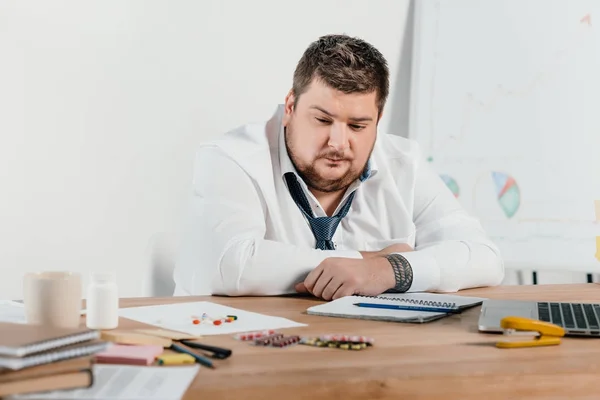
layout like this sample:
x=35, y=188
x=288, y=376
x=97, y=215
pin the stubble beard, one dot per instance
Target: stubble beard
x=311, y=177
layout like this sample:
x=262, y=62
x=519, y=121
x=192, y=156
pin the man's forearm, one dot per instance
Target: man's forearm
x=265, y=267
x=454, y=265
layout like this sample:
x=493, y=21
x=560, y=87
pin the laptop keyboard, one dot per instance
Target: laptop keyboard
x=571, y=315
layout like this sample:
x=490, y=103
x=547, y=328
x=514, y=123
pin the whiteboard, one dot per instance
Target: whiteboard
x=505, y=102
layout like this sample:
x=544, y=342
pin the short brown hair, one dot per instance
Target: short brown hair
x=344, y=63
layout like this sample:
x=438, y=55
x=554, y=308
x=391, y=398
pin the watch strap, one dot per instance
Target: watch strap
x=402, y=272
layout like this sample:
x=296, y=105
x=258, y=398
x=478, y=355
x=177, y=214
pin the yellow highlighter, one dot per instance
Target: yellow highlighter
x=175, y=359
x=548, y=334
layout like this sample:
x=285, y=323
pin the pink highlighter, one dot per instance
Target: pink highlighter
x=129, y=354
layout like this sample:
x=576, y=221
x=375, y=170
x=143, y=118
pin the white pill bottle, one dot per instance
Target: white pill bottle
x=102, y=303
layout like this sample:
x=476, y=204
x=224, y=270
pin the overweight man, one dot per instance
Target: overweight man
x=318, y=200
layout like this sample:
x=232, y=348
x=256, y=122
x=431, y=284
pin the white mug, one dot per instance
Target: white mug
x=53, y=298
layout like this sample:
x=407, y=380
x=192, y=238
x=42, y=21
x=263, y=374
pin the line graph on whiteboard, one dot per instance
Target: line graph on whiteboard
x=505, y=110
x=472, y=103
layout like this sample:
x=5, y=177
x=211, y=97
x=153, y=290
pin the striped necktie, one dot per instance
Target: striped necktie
x=323, y=228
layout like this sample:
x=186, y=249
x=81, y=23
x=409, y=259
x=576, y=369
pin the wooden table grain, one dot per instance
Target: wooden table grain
x=445, y=359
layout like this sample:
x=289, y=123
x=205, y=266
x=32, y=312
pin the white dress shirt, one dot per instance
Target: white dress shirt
x=247, y=236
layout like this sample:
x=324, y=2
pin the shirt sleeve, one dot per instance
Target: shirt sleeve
x=224, y=250
x=452, y=250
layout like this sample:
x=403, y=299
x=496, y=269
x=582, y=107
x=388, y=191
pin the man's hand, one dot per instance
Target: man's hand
x=394, y=248
x=338, y=277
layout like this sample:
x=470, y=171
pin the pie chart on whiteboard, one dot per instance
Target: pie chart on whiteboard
x=497, y=195
x=452, y=184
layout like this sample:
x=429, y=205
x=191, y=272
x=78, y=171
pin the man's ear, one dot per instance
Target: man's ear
x=290, y=102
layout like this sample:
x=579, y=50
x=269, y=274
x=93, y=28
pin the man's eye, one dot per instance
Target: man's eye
x=323, y=121
x=357, y=127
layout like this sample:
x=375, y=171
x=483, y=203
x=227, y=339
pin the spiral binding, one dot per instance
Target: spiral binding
x=55, y=343
x=58, y=355
x=419, y=302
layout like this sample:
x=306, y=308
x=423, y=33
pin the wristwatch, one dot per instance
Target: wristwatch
x=402, y=272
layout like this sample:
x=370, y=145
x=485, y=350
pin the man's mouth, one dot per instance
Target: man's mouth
x=335, y=157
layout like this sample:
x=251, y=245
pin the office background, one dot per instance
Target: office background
x=102, y=104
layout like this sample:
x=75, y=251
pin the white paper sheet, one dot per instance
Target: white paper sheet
x=129, y=382
x=180, y=317
x=12, y=311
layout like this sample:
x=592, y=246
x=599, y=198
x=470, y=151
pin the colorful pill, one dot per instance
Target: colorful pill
x=267, y=340
x=196, y=321
x=217, y=322
x=347, y=338
x=283, y=341
x=254, y=335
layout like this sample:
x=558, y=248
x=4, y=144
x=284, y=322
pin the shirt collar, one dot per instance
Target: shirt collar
x=286, y=165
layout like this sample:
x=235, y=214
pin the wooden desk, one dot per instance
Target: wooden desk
x=445, y=359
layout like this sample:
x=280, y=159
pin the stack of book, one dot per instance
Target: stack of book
x=38, y=358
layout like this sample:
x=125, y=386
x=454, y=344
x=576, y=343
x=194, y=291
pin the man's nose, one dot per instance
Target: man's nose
x=338, y=137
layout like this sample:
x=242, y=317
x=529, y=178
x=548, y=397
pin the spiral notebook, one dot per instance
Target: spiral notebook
x=23, y=345
x=47, y=357
x=345, y=308
x=19, y=340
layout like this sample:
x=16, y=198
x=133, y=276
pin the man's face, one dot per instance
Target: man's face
x=330, y=135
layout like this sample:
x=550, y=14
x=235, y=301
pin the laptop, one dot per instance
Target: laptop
x=577, y=319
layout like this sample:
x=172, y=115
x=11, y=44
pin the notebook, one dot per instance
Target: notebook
x=66, y=374
x=54, y=355
x=59, y=367
x=344, y=307
x=76, y=379
x=20, y=340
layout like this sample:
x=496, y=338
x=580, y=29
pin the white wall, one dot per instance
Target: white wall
x=102, y=104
